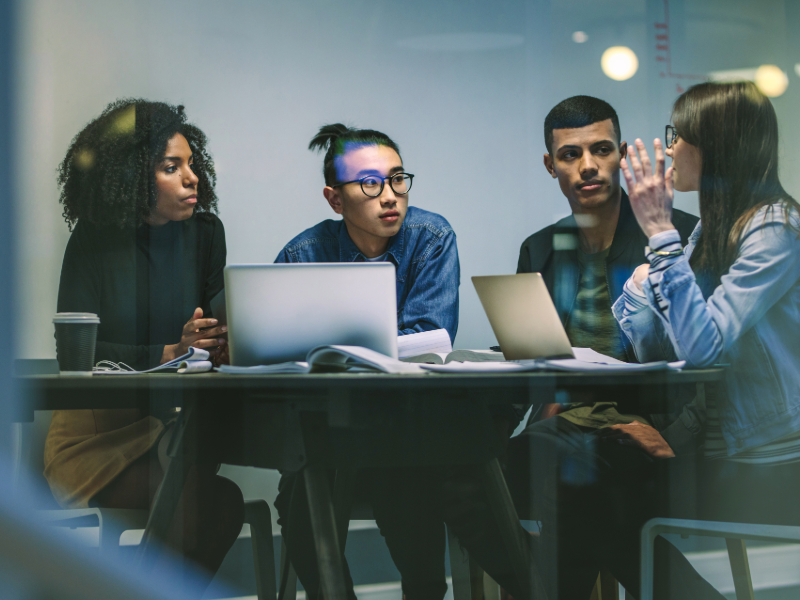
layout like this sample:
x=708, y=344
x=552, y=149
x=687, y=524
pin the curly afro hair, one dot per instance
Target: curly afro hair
x=107, y=177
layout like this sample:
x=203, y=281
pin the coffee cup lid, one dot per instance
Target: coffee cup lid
x=76, y=317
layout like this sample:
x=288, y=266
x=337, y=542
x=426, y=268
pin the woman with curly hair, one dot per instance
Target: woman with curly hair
x=146, y=254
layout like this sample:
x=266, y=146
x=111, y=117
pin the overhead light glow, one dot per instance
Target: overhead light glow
x=797, y=69
x=579, y=37
x=771, y=80
x=619, y=63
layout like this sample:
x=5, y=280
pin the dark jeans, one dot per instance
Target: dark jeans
x=410, y=507
x=592, y=498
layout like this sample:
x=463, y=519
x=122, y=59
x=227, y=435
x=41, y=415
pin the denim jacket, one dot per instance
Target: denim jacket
x=425, y=257
x=751, y=322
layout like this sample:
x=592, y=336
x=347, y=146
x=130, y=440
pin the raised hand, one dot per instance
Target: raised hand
x=650, y=191
x=199, y=333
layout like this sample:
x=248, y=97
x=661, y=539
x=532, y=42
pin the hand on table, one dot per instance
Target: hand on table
x=223, y=357
x=650, y=192
x=638, y=434
x=194, y=335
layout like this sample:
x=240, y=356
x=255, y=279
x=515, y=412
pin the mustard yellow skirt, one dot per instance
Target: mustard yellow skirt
x=86, y=449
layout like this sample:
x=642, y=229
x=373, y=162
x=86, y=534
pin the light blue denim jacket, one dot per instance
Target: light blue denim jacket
x=424, y=254
x=751, y=322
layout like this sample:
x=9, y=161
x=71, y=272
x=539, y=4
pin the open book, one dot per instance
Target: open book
x=443, y=358
x=333, y=359
x=434, y=347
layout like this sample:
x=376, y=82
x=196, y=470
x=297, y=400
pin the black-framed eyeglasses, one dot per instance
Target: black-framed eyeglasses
x=670, y=135
x=372, y=185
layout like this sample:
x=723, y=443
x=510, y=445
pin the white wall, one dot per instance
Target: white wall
x=462, y=86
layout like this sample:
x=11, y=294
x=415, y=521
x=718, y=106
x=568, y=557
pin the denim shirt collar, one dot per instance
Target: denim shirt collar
x=349, y=252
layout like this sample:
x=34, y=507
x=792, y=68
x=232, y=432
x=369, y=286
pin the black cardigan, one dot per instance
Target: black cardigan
x=143, y=283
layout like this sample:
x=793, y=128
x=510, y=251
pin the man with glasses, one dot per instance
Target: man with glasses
x=562, y=470
x=366, y=183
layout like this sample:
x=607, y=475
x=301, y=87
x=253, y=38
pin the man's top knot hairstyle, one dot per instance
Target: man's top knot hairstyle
x=108, y=175
x=336, y=139
x=575, y=112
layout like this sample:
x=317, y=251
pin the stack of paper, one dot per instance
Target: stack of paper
x=196, y=360
x=586, y=360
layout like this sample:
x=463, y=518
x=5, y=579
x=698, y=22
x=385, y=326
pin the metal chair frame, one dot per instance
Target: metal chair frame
x=735, y=535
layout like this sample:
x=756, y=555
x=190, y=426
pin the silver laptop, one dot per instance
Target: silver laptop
x=277, y=313
x=522, y=316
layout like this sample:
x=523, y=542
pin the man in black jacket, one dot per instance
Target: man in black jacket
x=591, y=474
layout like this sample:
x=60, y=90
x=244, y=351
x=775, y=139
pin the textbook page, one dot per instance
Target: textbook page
x=440, y=358
x=344, y=357
x=414, y=344
x=331, y=359
x=278, y=368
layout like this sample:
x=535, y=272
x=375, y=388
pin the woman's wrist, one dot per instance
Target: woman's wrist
x=169, y=353
x=667, y=239
x=657, y=228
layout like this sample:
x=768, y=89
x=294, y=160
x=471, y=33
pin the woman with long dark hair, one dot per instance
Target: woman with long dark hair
x=731, y=296
x=146, y=255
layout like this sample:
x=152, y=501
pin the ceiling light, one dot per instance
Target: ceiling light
x=771, y=80
x=579, y=37
x=619, y=63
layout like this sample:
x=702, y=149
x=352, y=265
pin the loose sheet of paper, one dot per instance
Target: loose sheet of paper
x=414, y=344
x=590, y=356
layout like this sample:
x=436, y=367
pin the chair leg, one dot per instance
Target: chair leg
x=740, y=567
x=110, y=532
x=491, y=589
x=608, y=585
x=459, y=569
x=288, y=587
x=476, y=582
x=597, y=590
x=258, y=515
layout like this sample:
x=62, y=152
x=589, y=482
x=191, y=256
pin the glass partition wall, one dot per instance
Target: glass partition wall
x=464, y=90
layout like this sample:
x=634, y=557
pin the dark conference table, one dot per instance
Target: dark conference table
x=347, y=421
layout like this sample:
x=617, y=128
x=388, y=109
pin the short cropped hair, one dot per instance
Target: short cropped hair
x=575, y=112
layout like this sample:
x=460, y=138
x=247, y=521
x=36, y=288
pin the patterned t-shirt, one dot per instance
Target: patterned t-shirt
x=591, y=324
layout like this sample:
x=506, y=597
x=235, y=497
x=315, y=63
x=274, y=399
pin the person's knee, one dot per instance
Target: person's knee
x=217, y=504
x=229, y=505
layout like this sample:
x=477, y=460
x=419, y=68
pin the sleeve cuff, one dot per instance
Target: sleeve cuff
x=635, y=299
x=680, y=438
x=665, y=237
